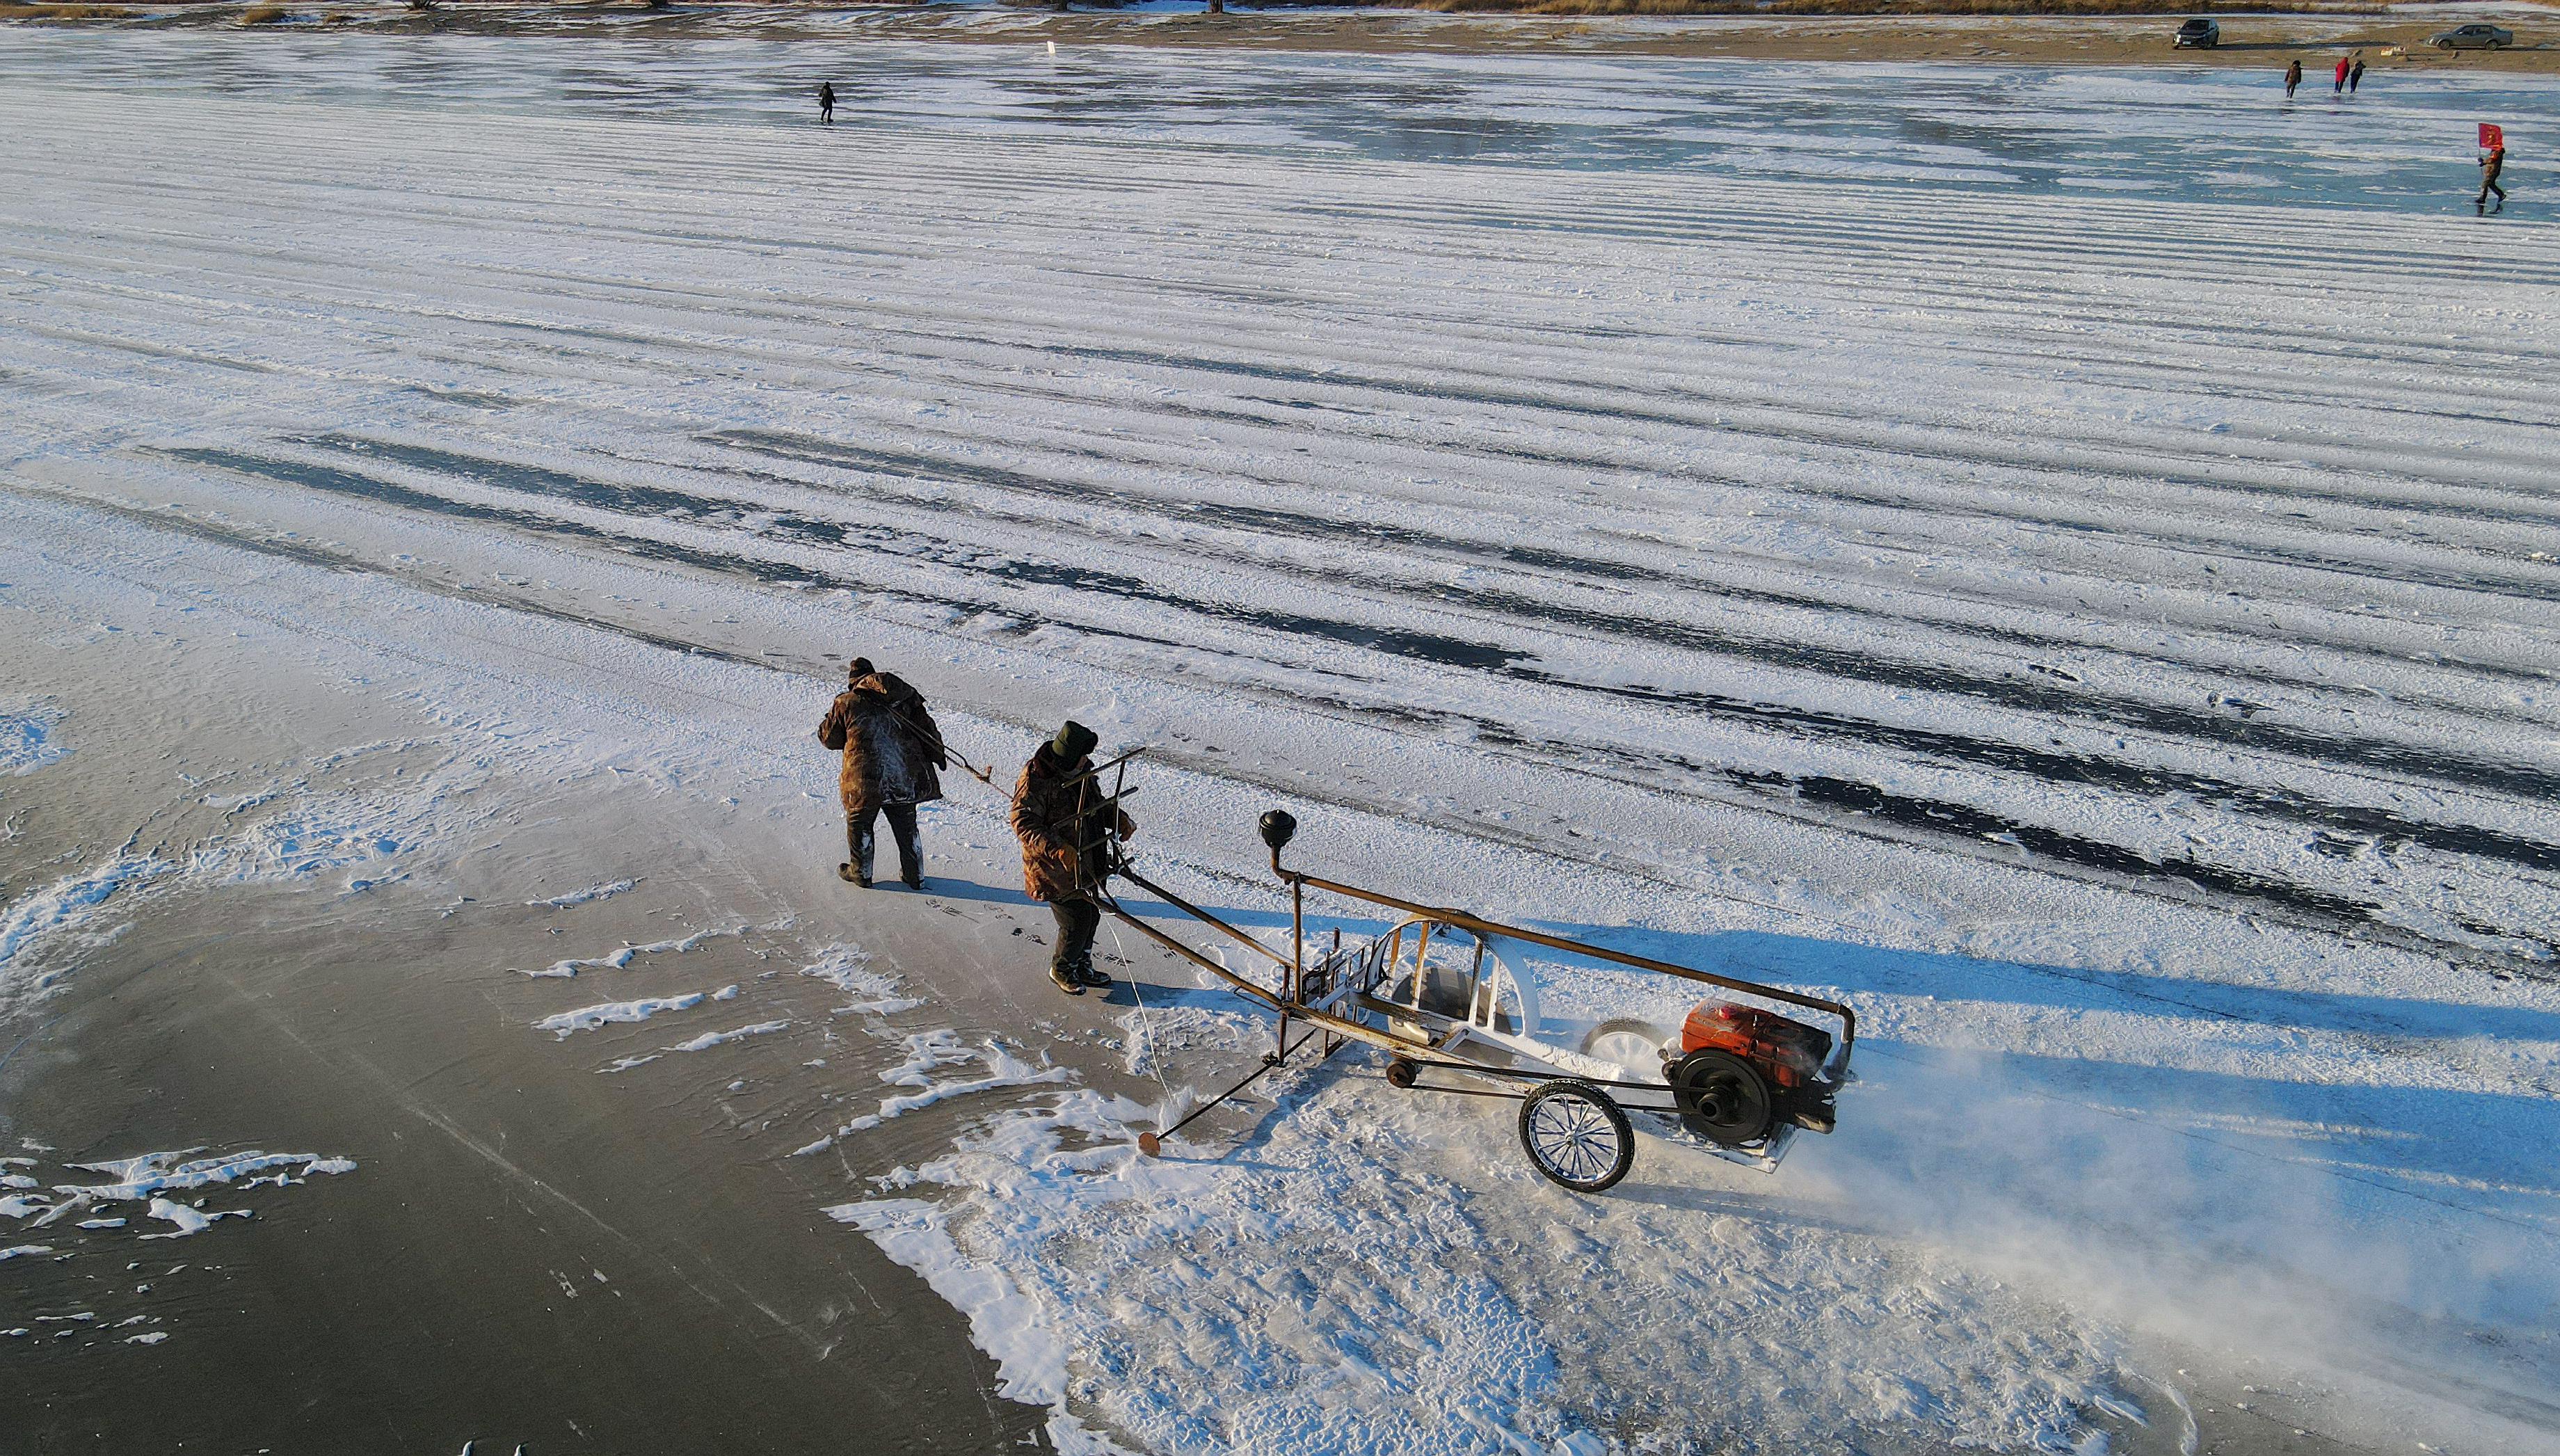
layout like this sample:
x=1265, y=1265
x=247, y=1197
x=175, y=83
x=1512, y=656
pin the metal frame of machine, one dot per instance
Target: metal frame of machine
x=1438, y=992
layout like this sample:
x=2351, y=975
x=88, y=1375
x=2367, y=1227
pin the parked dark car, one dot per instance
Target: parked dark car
x=2473, y=38
x=2197, y=32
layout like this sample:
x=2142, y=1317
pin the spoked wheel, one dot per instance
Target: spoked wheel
x=1576, y=1136
x=1721, y=1097
x=1634, y=1044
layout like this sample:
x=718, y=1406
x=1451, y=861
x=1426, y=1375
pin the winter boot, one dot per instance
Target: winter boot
x=847, y=871
x=1086, y=972
x=1066, y=978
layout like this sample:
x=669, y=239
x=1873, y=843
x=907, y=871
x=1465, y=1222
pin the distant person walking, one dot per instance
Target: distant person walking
x=891, y=750
x=2293, y=77
x=826, y=103
x=2492, y=162
x=2338, y=87
x=2355, y=74
x=1060, y=816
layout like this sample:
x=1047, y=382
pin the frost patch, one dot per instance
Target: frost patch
x=931, y=1050
x=591, y=893
x=848, y=968
x=616, y=960
x=1237, y=1305
x=6, y=1254
x=708, y=1040
x=154, y=1173
x=64, y=907
x=1031, y=1360
x=25, y=736
x=589, y=1018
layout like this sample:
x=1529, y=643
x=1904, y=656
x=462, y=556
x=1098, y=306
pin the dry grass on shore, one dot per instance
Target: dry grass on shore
x=64, y=12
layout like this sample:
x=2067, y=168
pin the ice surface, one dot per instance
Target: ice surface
x=23, y=1249
x=1759, y=515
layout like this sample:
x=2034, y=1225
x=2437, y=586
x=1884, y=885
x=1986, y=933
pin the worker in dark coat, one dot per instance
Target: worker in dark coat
x=827, y=102
x=1060, y=817
x=891, y=750
x=2293, y=78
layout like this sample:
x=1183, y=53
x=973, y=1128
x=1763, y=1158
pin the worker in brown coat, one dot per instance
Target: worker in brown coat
x=1060, y=815
x=891, y=750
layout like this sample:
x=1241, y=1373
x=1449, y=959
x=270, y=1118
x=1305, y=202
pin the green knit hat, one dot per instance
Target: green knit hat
x=1072, y=743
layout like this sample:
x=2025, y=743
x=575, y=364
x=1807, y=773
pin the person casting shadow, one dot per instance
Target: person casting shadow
x=1062, y=818
x=893, y=749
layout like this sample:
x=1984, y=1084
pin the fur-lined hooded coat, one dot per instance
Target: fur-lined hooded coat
x=1052, y=816
x=891, y=743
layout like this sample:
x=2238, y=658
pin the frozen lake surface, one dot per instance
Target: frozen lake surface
x=2402, y=143
x=2063, y=559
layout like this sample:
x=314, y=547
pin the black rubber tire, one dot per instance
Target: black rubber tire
x=1400, y=1074
x=1722, y=1098
x=1575, y=1137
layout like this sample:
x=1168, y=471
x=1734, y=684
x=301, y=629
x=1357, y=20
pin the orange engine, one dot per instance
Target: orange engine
x=1790, y=1051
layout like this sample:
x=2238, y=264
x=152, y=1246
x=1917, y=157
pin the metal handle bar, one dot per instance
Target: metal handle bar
x=1482, y=926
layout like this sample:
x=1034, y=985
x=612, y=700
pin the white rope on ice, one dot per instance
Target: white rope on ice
x=1146, y=1026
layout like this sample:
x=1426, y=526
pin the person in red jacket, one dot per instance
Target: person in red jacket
x=2337, y=88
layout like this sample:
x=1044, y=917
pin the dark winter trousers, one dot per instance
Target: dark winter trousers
x=1077, y=919
x=902, y=825
x=2488, y=186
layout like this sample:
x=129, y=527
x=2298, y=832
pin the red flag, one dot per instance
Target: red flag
x=2492, y=138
